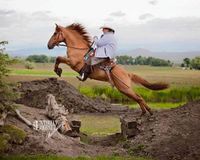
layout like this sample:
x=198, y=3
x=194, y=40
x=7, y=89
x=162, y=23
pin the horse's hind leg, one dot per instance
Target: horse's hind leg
x=144, y=104
x=129, y=92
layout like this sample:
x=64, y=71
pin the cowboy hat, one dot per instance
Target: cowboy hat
x=108, y=27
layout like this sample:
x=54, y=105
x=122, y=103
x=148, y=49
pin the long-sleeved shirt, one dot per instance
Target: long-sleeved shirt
x=106, y=46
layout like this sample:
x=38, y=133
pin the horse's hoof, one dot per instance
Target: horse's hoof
x=151, y=113
x=142, y=114
x=58, y=71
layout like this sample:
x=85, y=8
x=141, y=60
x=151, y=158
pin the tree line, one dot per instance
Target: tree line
x=191, y=63
x=139, y=60
x=40, y=59
x=126, y=60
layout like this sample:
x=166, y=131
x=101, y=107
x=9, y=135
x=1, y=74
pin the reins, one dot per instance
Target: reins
x=64, y=45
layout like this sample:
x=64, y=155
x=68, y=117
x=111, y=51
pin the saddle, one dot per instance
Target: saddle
x=107, y=66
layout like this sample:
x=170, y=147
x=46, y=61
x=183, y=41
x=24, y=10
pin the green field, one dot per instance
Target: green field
x=175, y=76
x=184, y=84
x=104, y=124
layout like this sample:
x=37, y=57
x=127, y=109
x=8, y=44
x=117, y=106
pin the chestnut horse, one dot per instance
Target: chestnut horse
x=78, y=42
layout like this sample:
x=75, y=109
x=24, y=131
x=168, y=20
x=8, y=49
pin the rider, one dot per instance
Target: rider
x=103, y=49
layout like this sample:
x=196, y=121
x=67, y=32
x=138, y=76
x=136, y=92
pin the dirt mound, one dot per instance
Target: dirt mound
x=34, y=95
x=170, y=134
x=36, y=142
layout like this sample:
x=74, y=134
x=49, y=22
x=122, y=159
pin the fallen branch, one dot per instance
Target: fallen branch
x=23, y=118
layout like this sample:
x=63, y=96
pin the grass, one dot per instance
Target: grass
x=39, y=72
x=4, y=142
x=10, y=134
x=173, y=94
x=185, y=84
x=173, y=75
x=99, y=125
x=166, y=105
x=53, y=157
x=16, y=134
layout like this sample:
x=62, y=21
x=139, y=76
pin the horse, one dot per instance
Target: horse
x=78, y=42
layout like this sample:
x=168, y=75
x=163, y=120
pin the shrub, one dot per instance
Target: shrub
x=29, y=65
x=7, y=95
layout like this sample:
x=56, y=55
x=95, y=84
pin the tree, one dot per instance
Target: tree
x=195, y=63
x=7, y=95
x=125, y=60
x=38, y=58
x=140, y=60
x=186, y=61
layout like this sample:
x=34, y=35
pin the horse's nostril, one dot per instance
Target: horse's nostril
x=49, y=47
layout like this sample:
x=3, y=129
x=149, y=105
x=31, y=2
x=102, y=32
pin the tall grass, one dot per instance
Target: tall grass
x=175, y=94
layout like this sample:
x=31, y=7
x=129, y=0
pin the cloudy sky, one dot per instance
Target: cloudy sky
x=157, y=25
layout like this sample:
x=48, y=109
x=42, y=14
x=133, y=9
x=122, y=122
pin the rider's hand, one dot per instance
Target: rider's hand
x=95, y=38
x=91, y=54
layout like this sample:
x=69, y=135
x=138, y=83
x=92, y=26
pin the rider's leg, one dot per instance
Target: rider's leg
x=87, y=68
x=84, y=73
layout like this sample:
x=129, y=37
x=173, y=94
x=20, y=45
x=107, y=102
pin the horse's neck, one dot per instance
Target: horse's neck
x=76, y=59
x=75, y=55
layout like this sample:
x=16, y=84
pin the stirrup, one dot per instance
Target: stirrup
x=81, y=78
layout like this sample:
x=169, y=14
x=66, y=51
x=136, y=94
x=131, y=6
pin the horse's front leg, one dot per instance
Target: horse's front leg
x=59, y=60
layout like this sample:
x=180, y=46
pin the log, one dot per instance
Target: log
x=58, y=113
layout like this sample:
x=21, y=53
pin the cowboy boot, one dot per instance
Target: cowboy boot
x=84, y=72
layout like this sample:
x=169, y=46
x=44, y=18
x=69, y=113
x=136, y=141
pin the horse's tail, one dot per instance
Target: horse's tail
x=153, y=86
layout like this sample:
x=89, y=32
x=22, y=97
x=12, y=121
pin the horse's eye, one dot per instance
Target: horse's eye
x=54, y=33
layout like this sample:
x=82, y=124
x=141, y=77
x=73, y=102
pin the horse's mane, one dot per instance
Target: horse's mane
x=81, y=30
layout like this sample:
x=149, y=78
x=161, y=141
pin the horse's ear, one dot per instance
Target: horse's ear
x=57, y=27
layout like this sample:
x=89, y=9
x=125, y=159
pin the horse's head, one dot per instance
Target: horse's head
x=56, y=38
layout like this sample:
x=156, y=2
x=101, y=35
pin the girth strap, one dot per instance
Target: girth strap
x=107, y=68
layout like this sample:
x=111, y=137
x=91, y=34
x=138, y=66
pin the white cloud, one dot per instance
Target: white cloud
x=117, y=14
x=109, y=19
x=153, y=2
x=146, y=16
